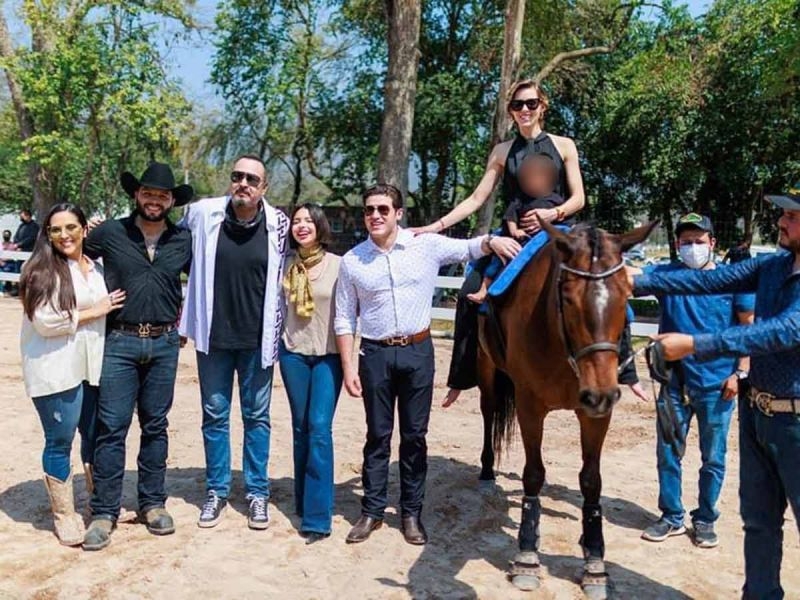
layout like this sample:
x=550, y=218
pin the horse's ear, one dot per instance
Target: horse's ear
x=636, y=236
x=560, y=238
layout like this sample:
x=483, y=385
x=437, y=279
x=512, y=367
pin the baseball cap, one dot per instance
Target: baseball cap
x=694, y=221
x=790, y=200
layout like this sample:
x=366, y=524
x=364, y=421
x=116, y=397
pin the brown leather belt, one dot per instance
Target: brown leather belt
x=143, y=330
x=403, y=340
x=769, y=404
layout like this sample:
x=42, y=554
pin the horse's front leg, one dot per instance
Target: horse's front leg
x=595, y=578
x=525, y=567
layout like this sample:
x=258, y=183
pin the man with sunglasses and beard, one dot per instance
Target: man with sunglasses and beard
x=388, y=281
x=144, y=255
x=769, y=406
x=233, y=313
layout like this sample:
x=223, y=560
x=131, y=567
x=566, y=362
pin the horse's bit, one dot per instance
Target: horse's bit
x=572, y=356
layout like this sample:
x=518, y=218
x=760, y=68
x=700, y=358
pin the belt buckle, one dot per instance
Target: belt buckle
x=399, y=340
x=763, y=402
x=144, y=330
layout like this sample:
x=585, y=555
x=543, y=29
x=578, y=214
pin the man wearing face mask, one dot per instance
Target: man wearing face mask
x=704, y=389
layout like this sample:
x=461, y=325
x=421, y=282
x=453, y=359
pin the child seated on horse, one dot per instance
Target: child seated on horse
x=537, y=179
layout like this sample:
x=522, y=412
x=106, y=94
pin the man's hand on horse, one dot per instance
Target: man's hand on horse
x=530, y=223
x=505, y=247
x=632, y=272
x=676, y=345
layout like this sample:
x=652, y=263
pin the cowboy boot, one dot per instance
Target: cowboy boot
x=68, y=524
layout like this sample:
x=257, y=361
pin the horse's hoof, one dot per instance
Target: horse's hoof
x=526, y=583
x=595, y=580
x=524, y=571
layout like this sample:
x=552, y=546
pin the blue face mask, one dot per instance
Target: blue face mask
x=695, y=256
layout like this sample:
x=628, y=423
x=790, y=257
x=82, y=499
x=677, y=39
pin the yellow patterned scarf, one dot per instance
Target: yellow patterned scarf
x=297, y=284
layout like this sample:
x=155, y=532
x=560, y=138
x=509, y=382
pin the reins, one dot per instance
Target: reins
x=602, y=346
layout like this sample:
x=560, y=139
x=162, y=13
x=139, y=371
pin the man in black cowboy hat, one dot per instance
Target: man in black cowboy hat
x=143, y=254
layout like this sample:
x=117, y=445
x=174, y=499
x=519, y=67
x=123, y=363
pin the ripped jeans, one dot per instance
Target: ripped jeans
x=61, y=414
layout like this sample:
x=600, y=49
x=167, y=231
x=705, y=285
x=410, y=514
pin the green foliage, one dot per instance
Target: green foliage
x=95, y=92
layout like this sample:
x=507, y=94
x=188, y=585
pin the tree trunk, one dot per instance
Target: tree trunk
x=41, y=203
x=403, y=24
x=512, y=49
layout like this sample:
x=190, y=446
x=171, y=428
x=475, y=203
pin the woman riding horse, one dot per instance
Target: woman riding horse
x=527, y=105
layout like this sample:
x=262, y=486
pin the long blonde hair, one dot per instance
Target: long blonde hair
x=524, y=84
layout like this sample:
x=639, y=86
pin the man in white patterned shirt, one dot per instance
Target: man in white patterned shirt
x=388, y=281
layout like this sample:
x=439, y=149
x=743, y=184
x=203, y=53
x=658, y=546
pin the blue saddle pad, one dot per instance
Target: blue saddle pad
x=509, y=274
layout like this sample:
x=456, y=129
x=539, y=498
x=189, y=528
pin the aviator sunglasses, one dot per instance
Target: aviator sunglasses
x=252, y=180
x=382, y=209
x=71, y=230
x=530, y=103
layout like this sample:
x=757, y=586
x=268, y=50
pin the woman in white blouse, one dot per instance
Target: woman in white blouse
x=65, y=301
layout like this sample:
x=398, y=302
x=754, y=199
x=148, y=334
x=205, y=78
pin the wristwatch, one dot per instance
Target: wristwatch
x=742, y=374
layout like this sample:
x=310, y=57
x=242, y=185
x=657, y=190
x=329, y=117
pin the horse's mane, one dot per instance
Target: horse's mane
x=593, y=235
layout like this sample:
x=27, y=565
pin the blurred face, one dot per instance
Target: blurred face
x=24, y=216
x=789, y=227
x=66, y=234
x=380, y=217
x=304, y=230
x=526, y=110
x=536, y=178
x=248, y=183
x=153, y=204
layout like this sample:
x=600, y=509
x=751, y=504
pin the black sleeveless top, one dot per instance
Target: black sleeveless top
x=520, y=148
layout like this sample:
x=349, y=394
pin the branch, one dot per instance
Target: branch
x=561, y=57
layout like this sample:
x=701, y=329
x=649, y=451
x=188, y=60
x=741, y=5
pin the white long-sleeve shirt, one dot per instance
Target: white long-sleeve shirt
x=57, y=353
x=391, y=290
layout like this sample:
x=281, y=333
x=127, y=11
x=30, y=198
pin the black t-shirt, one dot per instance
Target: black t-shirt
x=524, y=203
x=522, y=147
x=153, y=289
x=240, y=281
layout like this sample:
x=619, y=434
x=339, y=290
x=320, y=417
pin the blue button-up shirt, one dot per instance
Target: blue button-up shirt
x=773, y=341
x=391, y=290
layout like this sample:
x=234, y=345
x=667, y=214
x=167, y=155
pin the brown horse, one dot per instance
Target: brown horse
x=551, y=342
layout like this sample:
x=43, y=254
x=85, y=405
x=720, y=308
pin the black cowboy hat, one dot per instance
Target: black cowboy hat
x=157, y=176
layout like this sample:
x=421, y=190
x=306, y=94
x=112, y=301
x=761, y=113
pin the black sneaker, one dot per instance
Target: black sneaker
x=661, y=530
x=704, y=535
x=258, y=513
x=212, y=511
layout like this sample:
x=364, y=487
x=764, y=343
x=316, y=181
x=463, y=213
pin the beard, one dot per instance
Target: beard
x=152, y=217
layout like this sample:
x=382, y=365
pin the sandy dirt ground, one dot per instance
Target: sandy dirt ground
x=473, y=532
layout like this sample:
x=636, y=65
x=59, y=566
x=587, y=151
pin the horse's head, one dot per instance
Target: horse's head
x=591, y=293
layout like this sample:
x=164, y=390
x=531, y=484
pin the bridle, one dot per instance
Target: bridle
x=604, y=346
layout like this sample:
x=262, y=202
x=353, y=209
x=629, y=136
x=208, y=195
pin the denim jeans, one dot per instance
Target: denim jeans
x=61, y=414
x=138, y=374
x=312, y=384
x=713, y=420
x=769, y=459
x=215, y=371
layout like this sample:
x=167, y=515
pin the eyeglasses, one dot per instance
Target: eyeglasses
x=252, y=180
x=382, y=209
x=71, y=229
x=530, y=103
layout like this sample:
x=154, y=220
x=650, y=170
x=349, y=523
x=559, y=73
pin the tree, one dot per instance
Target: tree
x=400, y=87
x=90, y=95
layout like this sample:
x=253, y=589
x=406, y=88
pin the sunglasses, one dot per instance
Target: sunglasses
x=252, y=180
x=71, y=229
x=530, y=103
x=382, y=209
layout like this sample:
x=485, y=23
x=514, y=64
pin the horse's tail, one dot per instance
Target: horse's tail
x=504, y=417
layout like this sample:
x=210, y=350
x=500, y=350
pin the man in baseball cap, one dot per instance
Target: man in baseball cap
x=790, y=200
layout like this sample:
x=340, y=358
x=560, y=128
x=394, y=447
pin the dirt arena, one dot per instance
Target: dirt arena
x=473, y=532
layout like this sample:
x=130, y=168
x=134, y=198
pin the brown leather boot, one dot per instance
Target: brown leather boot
x=362, y=529
x=68, y=524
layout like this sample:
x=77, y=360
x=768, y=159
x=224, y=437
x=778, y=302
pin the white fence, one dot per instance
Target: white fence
x=638, y=328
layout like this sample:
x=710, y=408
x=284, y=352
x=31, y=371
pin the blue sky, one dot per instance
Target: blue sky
x=190, y=59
